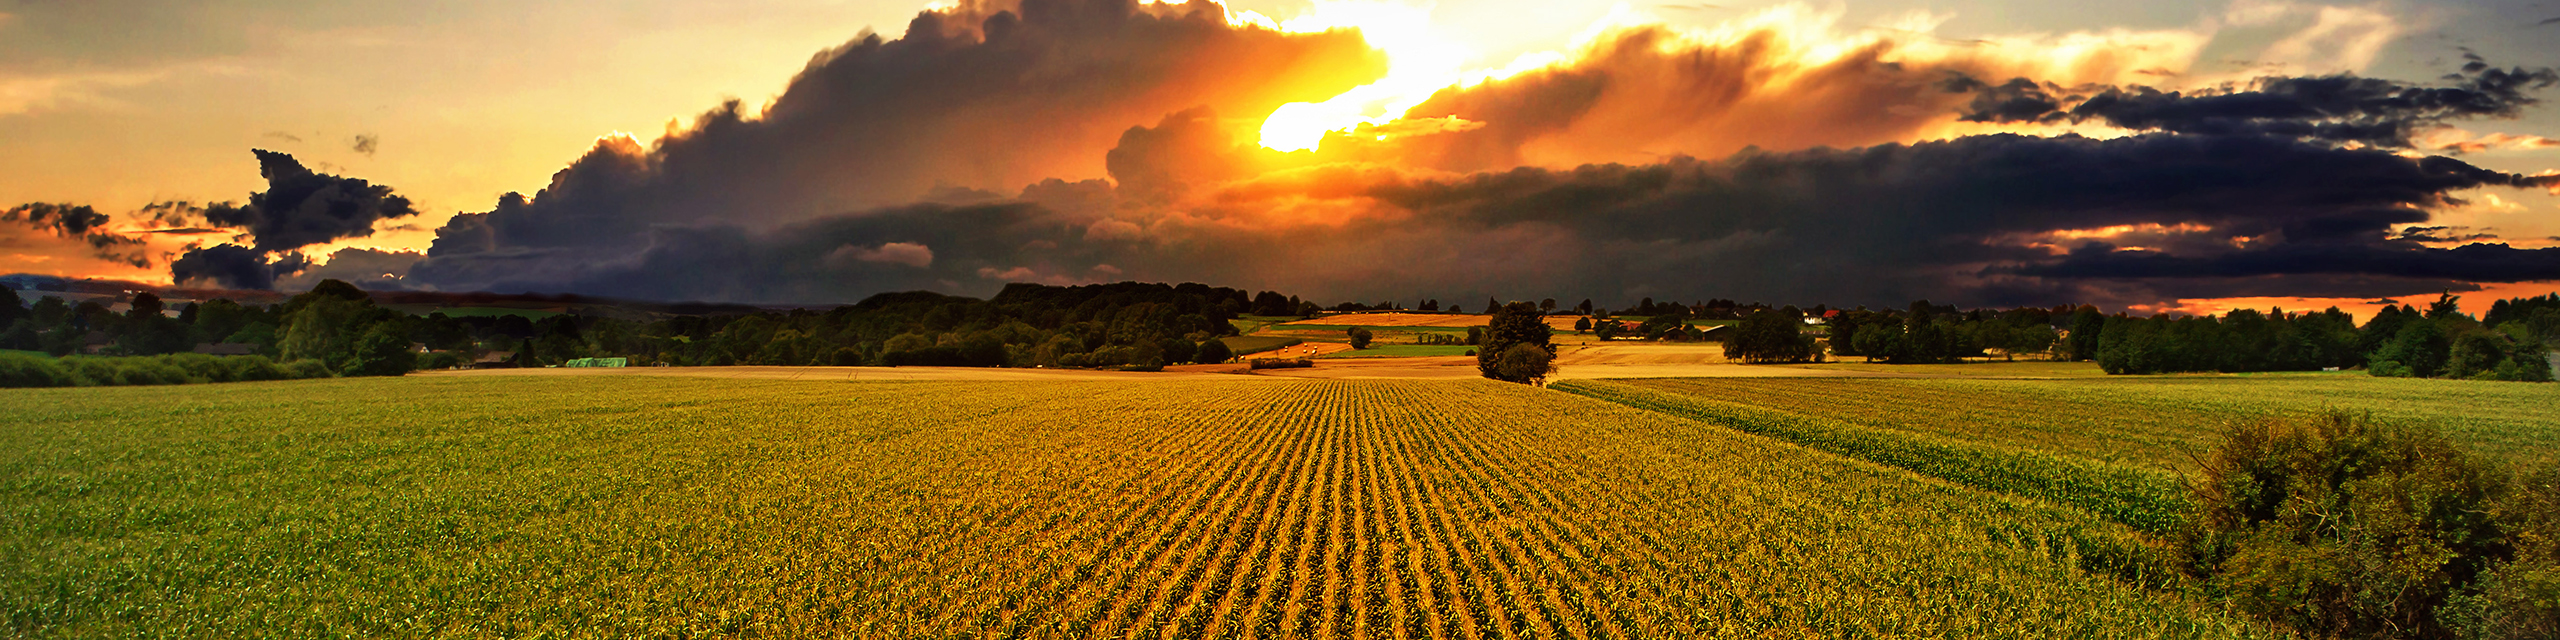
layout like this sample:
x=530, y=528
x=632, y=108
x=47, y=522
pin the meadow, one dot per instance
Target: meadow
x=619, y=506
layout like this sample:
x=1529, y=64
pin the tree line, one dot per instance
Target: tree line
x=338, y=326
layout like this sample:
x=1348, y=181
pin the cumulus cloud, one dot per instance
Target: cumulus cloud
x=979, y=96
x=1770, y=160
x=2338, y=108
x=300, y=208
x=80, y=225
x=231, y=266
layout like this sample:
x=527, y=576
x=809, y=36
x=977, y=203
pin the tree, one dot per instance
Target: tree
x=1214, y=351
x=1359, y=337
x=1768, y=336
x=1546, y=305
x=146, y=306
x=1523, y=363
x=1517, y=325
x=2420, y=348
x=13, y=309
x=2086, y=325
x=382, y=351
x=1582, y=325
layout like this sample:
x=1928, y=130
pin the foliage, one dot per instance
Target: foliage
x=1360, y=337
x=1768, y=336
x=2345, y=527
x=183, y=368
x=1516, y=324
x=1214, y=351
x=1280, y=363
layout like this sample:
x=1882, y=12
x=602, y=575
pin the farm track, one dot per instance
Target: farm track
x=1219, y=509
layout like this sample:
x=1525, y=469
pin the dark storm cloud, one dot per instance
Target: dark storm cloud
x=231, y=266
x=80, y=224
x=983, y=96
x=1971, y=220
x=2336, y=109
x=301, y=208
x=897, y=165
x=2478, y=262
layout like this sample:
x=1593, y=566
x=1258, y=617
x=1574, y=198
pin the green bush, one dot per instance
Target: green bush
x=302, y=369
x=1214, y=351
x=2340, y=526
x=31, y=371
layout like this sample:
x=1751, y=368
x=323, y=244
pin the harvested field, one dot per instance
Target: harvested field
x=619, y=506
x=1622, y=353
x=1461, y=321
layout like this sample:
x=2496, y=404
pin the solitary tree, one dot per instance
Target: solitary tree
x=1359, y=337
x=1515, y=327
x=1215, y=351
x=1582, y=325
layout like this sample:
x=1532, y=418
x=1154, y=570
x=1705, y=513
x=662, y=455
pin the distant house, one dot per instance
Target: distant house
x=226, y=348
x=495, y=360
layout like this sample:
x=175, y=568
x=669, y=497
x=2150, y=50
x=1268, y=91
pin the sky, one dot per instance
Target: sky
x=2190, y=156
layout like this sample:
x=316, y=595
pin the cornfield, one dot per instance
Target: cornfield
x=665, y=507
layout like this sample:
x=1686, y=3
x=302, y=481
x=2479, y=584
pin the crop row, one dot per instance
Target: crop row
x=624, y=506
x=2146, y=500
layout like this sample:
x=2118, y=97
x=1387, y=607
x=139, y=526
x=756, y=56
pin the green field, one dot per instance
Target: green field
x=31, y=354
x=1403, y=351
x=1244, y=345
x=1991, y=368
x=2115, y=446
x=612, y=506
x=2150, y=421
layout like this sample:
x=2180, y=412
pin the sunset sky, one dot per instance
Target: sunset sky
x=2189, y=156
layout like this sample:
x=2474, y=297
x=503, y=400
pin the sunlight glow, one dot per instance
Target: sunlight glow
x=1421, y=61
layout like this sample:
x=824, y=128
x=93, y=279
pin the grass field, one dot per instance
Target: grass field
x=2115, y=446
x=1404, y=351
x=2151, y=421
x=616, y=506
x=31, y=354
x=1988, y=369
x=1246, y=345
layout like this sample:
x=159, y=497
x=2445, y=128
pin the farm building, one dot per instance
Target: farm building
x=495, y=360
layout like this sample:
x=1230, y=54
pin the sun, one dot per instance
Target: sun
x=1420, y=62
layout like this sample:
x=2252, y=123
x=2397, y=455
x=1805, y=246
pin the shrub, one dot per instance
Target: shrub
x=2343, y=527
x=1281, y=363
x=30, y=371
x=433, y=360
x=306, y=369
x=1214, y=351
x=1359, y=337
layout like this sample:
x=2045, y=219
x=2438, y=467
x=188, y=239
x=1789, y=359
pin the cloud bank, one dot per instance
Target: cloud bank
x=1777, y=158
